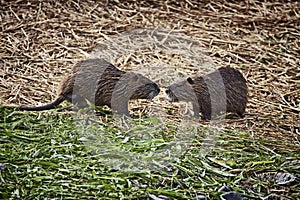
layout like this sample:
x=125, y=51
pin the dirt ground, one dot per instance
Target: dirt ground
x=42, y=40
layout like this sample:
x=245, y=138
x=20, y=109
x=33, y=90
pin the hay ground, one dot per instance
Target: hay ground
x=42, y=40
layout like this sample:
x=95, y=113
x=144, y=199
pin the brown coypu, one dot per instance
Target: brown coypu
x=223, y=90
x=101, y=83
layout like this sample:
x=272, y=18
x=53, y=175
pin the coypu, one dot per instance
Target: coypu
x=223, y=90
x=101, y=83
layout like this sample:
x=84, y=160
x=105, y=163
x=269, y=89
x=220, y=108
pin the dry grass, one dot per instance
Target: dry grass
x=40, y=41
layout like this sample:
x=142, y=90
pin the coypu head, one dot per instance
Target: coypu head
x=136, y=86
x=132, y=86
x=182, y=90
x=143, y=88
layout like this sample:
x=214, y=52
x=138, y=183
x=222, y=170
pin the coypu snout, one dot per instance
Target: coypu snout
x=170, y=95
x=155, y=90
x=147, y=91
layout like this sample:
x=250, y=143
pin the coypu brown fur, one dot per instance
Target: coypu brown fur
x=223, y=90
x=101, y=83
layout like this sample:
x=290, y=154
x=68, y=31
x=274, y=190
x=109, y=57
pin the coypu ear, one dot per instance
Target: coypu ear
x=190, y=80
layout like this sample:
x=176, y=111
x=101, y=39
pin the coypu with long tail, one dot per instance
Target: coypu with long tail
x=101, y=83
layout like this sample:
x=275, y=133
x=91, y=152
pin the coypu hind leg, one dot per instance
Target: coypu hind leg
x=206, y=115
x=241, y=111
x=76, y=100
x=241, y=114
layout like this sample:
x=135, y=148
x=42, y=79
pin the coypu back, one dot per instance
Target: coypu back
x=205, y=92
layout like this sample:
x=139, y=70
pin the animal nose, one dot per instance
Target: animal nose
x=158, y=90
x=154, y=85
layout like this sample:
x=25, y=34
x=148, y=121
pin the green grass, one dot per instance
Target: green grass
x=42, y=155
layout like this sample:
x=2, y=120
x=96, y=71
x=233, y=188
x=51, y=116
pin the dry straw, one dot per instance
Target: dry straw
x=41, y=40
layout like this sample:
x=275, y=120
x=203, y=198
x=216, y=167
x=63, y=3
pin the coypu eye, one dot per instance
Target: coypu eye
x=190, y=80
x=134, y=78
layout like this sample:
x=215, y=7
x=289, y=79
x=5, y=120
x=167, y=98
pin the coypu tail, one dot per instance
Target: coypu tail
x=49, y=106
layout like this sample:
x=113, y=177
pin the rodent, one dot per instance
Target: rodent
x=101, y=83
x=223, y=90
